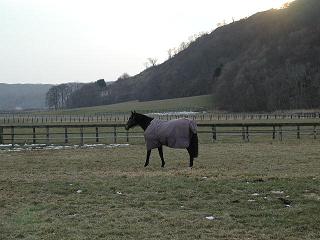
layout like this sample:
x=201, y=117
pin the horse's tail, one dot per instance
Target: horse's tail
x=194, y=145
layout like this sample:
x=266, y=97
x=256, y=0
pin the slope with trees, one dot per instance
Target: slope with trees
x=265, y=62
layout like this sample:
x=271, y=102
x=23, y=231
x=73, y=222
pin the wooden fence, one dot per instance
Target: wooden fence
x=114, y=133
x=7, y=119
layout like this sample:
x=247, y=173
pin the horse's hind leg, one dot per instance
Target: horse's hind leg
x=191, y=157
x=147, y=158
x=161, y=156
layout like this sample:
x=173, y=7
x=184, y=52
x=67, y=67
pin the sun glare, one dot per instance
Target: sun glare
x=280, y=3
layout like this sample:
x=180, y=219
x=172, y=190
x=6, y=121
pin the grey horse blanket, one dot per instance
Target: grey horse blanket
x=175, y=133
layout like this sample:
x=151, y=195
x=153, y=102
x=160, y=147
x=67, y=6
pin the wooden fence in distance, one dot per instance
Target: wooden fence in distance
x=100, y=133
x=14, y=119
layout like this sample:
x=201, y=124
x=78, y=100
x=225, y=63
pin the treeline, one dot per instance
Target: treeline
x=73, y=95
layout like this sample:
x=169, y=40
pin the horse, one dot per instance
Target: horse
x=179, y=133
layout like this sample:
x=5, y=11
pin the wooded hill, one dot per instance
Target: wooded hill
x=269, y=61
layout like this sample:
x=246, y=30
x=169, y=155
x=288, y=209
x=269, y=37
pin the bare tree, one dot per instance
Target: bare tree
x=57, y=97
x=123, y=76
x=152, y=61
x=170, y=53
x=183, y=46
x=52, y=97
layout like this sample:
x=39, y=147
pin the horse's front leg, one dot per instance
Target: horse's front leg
x=147, y=159
x=161, y=156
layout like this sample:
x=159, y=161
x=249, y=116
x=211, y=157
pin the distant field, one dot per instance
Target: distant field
x=249, y=191
x=198, y=108
x=197, y=103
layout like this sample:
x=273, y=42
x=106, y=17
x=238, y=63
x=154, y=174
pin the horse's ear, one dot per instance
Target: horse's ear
x=134, y=111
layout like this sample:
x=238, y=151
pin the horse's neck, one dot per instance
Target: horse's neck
x=145, y=122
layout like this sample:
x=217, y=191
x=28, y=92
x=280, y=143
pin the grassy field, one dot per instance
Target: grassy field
x=196, y=103
x=107, y=194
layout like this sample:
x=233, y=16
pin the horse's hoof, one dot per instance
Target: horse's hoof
x=162, y=166
x=146, y=165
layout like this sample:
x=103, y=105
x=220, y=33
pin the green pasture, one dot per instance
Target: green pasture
x=196, y=103
x=267, y=190
x=119, y=113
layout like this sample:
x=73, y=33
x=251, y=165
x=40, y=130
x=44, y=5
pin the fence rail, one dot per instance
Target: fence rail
x=114, y=133
x=7, y=119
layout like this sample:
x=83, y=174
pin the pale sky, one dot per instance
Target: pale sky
x=59, y=41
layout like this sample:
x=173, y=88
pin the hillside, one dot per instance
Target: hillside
x=195, y=103
x=268, y=61
x=22, y=96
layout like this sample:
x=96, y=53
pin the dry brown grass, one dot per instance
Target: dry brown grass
x=233, y=182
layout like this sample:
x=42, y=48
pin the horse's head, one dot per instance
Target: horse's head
x=133, y=121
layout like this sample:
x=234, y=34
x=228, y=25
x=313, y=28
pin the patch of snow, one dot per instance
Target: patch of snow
x=79, y=191
x=6, y=145
x=119, y=145
x=119, y=193
x=32, y=147
x=277, y=192
x=93, y=145
x=211, y=218
x=255, y=194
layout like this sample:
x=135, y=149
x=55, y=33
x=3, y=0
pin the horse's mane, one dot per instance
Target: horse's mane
x=142, y=117
x=142, y=120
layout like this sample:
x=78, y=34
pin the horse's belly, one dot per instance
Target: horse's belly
x=175, y=138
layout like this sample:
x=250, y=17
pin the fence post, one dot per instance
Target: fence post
x=97, y=135
x=247, y=133
x=243, y=134
x=214, y=133
x=33, y=135
x=81, y=135
x=66, y=140
x=298, y=132
x=127, y=133
x=274, y=132
x=280, y=133
x=12, y=136
x=48, y=135
x=114, y=134
x=1, y=135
